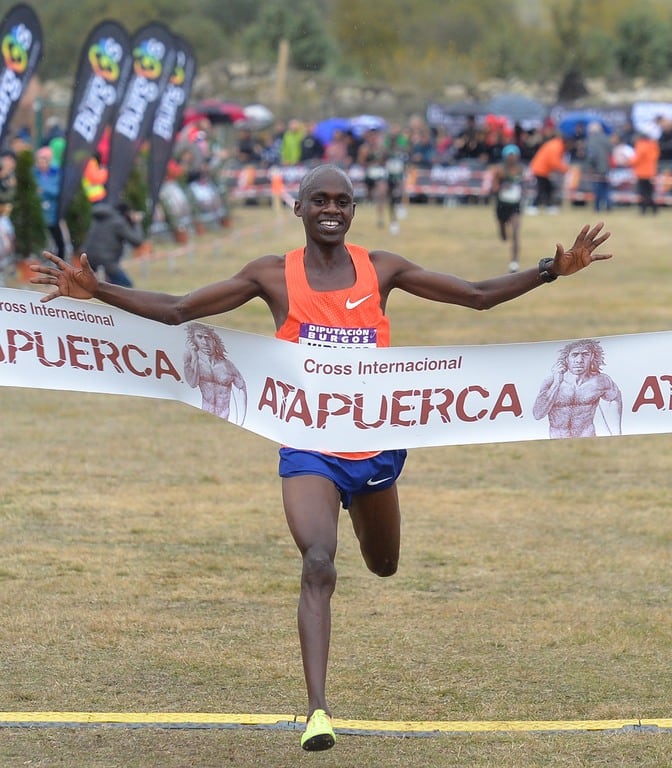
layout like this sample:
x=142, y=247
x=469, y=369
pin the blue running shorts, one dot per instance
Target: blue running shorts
x=352, y=477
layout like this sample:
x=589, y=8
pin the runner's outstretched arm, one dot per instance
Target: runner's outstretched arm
x=82, y=283
x=485, y=294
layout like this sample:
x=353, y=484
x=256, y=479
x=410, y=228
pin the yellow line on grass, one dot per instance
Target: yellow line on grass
x=215, y=719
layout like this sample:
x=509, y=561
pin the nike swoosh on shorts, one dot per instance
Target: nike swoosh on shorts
x=371, y=481
x=352, y=304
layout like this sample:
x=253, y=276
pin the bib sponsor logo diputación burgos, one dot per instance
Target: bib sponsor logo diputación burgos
x=325, y=336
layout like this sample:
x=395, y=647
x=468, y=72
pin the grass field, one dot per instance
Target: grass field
x=145, y=563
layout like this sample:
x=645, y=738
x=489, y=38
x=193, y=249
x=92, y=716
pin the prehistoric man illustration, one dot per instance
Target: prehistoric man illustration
x=207, y=366
x=578, y=394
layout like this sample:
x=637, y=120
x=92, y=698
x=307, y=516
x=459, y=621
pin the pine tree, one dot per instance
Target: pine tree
x=78, y=219
x=27, y=217
x=136, y=190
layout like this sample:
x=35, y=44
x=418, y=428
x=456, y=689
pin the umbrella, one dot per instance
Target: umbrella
x=579, y=120
x=362, y=123
x=216, y=111
x=325, y=129
x=257, y=116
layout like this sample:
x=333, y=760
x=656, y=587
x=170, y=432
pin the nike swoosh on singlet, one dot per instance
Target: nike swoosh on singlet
x=371, y=481
x=352, y=304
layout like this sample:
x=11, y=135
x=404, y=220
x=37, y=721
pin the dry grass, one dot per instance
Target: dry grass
x=145, y=562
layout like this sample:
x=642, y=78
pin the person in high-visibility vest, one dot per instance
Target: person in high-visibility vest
x=94, y=179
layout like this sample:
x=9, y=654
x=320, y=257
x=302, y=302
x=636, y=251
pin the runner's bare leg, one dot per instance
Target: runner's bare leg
x=312, y=505
x=515, y=237
x=376, y=519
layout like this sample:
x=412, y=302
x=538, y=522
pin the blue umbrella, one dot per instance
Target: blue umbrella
x=363, y=123
x=573, y=120
x=325, y=129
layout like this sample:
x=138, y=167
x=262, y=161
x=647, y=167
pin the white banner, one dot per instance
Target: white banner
x=344, y=399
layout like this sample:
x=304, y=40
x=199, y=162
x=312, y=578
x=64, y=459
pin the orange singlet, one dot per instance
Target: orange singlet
x=348, y=317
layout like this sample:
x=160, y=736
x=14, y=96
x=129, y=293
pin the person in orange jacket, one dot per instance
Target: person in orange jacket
x=548, y=159
x=644, y=164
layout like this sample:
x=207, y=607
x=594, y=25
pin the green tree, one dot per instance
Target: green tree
x=569, y=25
x=394, y=41
x=27, y=218
x=599, y=57
x=367, y=37
x=404, y=41
x=233, y=15
x=301, y=24
x=644, y=44
x=136, y=191
x=210, y=40
x=78, y=219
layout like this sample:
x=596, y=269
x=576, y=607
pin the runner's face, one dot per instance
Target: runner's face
x=327, y=208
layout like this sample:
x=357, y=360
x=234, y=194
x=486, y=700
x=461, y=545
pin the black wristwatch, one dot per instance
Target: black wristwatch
x=545, y=270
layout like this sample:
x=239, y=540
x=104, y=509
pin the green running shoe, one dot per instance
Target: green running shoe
x=319, y=733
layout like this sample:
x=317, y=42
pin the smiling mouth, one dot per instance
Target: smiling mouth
x=330, y=224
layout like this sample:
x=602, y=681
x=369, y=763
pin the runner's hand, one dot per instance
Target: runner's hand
x=75, y=282
x=581, y=254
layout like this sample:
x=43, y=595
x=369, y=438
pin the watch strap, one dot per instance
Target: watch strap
x=545, y=273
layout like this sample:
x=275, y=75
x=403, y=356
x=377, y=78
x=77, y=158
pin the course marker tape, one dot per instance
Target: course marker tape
x=293, y=722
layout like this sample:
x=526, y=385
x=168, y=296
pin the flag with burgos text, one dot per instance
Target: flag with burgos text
x=334, y=394
x=100, y=81
x=153, y=56
x=168, y=117
x=21, y=44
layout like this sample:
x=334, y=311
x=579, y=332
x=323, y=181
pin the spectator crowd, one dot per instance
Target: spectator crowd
x=384, y=155
x=209, y=163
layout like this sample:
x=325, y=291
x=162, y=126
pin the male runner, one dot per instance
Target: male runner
x=333, y=284
x=507, y=186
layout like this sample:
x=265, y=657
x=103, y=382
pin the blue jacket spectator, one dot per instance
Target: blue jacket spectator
x=47, y=177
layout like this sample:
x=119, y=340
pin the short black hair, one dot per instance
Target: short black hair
x=309, y=178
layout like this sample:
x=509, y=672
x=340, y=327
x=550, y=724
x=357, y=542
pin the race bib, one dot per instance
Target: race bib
x=325, y=336
x=511, y=193
x=376, y=173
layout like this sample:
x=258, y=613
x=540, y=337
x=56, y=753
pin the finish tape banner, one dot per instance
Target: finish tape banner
x=342, y=398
